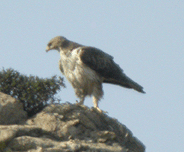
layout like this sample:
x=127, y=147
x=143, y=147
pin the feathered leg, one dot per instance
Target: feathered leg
x=95, y=102
x=81, y=102
x=97, y=95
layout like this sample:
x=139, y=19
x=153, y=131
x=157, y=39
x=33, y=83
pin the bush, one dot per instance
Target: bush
x=34, y=92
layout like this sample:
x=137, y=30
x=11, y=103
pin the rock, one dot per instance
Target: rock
x=68, y=128
x=7, y=134
x=11, y=110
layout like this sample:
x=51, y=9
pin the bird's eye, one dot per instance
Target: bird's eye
x=50, y=44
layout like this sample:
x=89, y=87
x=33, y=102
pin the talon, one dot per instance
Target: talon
x=99, y=110
x=79, y=103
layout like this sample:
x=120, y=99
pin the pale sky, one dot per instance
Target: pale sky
x=146, y=39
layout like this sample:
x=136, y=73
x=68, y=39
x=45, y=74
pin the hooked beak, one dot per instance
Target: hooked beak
x=47, y=49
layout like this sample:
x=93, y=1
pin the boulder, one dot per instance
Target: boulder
x=11, y=110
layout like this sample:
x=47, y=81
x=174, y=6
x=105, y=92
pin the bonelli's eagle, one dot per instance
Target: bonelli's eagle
x=86, y=68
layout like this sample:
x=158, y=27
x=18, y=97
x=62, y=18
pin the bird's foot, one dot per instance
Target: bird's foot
x=79, y=103
x=99, y=110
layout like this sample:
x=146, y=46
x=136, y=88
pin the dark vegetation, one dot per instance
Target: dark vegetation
x=34, y=92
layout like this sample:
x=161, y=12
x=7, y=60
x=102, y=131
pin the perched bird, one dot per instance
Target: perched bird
x=86, y=68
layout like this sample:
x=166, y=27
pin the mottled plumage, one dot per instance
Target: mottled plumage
x=86, y=68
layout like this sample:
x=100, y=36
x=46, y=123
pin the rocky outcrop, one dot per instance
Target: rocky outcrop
x=11, y=111
x=66, y=128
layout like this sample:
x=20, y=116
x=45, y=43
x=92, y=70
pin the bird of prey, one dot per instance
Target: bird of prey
x=86, y=68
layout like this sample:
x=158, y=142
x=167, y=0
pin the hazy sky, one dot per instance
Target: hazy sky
x=145, y=37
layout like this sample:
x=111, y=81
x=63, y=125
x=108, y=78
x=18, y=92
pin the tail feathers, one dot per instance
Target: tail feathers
x=135, y=86
x=126, y=82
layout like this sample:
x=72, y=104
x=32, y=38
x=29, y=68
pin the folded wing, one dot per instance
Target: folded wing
x=104, y=65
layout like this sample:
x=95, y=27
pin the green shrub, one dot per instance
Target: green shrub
x=34, y=92
x=2, y=145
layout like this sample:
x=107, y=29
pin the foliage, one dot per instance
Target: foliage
x=2, y=145
x=34, y=92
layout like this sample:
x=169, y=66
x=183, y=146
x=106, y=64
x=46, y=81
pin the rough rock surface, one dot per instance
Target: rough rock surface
x=67, y=128
x=11, y=110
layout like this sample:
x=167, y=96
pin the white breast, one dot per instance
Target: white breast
x=77, y=72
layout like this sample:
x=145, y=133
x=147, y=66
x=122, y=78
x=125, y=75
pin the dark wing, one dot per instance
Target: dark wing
x=104, y=65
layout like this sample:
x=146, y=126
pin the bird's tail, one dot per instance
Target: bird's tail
x=134, y=85
x=126, y=82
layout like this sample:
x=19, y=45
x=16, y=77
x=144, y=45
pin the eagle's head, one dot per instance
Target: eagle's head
x=56, y=43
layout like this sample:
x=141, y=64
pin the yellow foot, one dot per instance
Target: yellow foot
x=99, y=110
x=79, y=103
